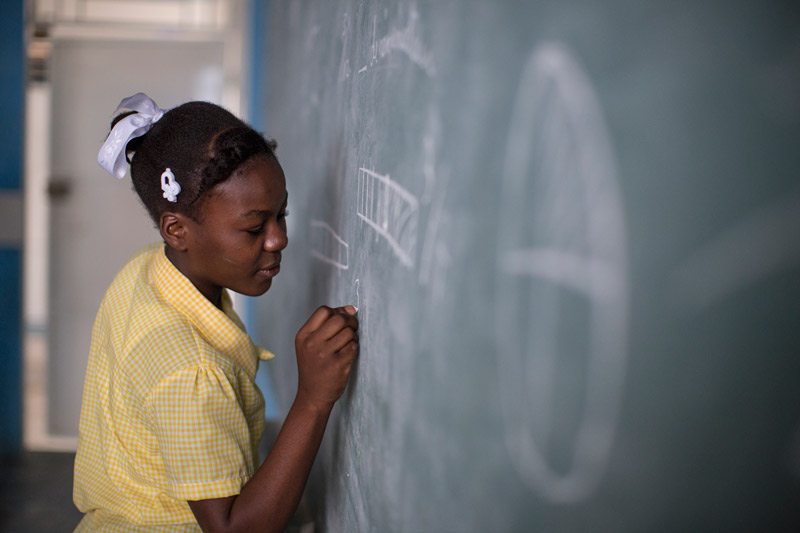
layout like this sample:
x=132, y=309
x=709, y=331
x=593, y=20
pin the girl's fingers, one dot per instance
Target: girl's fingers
x=342, y=339
x=335, y=323
x=349, y=351
x=349, y=309
x=317, y=318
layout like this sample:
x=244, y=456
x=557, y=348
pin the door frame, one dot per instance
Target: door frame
x=234, y=41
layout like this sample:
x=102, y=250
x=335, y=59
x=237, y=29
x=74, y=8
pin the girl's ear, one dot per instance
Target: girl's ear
x=174, y=230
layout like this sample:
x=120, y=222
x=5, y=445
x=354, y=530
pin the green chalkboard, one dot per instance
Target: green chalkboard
x=572, y=230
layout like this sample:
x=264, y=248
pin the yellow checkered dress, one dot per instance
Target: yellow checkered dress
x=171, y=411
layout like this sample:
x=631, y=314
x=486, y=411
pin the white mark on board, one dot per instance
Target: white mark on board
x=429, y=151
x=391, y=211
x=310, y=38
x=435, y=262
x=435, y=257
x=327, y=246
x=430, y=241
x=434, y=216
x=761, y=244
x=406, y=40
x=358, y=295
x=590, y=276
x=344, y=64
x=562, y=234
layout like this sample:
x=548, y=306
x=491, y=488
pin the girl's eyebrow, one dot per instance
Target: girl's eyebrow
x=262, y=212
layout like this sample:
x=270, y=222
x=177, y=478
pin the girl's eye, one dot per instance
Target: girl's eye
x=260, y=229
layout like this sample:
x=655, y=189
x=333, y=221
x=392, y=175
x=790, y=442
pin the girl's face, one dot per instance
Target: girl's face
x=238, y=241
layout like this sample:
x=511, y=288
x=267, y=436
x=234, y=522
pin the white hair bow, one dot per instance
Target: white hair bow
x=112, y=154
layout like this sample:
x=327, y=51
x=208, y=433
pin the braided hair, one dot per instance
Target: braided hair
x=201, y=143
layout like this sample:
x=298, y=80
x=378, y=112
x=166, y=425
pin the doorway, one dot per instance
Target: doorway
x=82, y=225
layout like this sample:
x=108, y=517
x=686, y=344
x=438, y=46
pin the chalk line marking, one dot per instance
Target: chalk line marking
x=582, y=274
x=330, y=248
x=761, y=244
x=390, y=210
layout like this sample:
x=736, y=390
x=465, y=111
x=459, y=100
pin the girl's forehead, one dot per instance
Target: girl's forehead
x=258, y=183
x=263, y=166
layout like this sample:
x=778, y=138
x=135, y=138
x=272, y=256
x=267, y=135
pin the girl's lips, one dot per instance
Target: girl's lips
x=271, y=271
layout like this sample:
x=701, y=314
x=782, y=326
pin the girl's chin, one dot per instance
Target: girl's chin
x=258, y=289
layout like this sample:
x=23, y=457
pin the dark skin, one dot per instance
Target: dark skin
x=237, y=244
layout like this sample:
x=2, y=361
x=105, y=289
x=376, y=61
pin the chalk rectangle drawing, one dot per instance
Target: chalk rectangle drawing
x=327, y=246
x=391, y=211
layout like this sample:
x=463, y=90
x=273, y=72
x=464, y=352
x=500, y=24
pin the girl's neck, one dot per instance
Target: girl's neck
x=180, y=260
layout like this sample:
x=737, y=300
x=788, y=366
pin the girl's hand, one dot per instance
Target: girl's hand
x=325, y=346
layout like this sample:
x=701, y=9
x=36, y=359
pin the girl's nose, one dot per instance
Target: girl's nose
x=277, y=239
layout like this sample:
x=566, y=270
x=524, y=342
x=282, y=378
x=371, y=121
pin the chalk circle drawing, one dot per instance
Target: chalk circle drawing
x=561, y=275
x=391, y=211
x=327, y=246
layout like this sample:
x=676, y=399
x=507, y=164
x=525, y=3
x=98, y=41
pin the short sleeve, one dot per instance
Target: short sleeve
x=202, y=434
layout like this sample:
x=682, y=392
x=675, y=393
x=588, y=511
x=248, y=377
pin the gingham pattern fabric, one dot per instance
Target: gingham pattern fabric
x=170, y=411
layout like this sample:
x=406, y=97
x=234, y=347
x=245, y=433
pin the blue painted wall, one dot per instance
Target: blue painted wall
x=11, y=109
x=11, y=97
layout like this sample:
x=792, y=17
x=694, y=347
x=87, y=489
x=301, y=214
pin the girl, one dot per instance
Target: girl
x=171, y=415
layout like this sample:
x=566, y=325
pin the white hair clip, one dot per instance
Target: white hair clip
x=170, y=187
x=112, y=153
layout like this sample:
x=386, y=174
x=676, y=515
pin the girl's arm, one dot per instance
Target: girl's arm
x=326, y=346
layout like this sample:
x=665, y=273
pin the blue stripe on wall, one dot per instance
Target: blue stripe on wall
x=11, y=98
x=257, y=44
x=12, y=101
